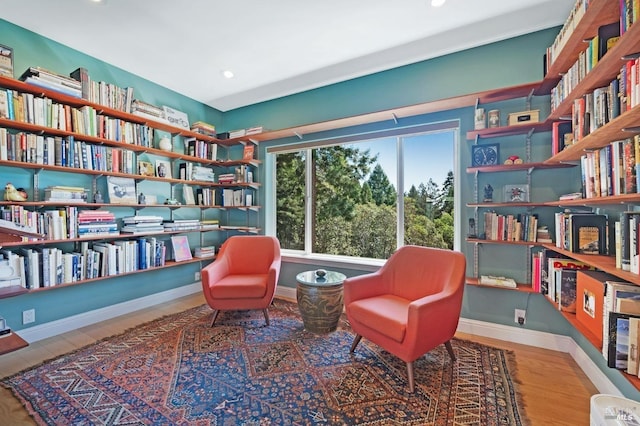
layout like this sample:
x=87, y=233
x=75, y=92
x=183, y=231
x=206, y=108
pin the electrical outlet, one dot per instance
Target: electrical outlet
x=520, y=316
x=28, y=316
x=196, y=276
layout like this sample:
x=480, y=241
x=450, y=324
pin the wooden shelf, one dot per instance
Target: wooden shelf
x=604, y=263
x=515, y=167
x=599, y=12
x=11, y=291
x=502, y=242
x=612, y=200
x=491, y=205
x=605, y=70
x=11, y=342
x=594, y=340
x=525, y=288
x=612, y=131
x=21, y=86
x=519, y=129
x=487, y=96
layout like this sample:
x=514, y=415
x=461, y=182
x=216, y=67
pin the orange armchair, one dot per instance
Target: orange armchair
x=244, y=275
x=410, y=305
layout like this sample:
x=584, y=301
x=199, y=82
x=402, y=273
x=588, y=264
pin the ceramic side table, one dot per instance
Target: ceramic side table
x=320, y=300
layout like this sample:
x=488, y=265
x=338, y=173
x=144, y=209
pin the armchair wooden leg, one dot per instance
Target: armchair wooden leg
x=447, y=344
x=266, y=315
x=410, y=376
x=355, y=343
x=215, y=315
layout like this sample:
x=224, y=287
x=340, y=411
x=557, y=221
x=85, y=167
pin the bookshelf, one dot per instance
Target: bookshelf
x=624, y=126
x=227, y=160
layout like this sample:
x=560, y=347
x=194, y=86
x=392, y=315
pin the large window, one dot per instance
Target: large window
x=364, y=198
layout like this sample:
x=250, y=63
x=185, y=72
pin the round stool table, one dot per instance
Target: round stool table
x=320, y=300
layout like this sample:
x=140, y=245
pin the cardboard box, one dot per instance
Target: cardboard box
x=524, y=117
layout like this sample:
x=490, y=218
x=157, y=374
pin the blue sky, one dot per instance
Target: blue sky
x=426, y=156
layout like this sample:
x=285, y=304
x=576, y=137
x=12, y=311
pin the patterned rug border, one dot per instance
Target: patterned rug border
x=508, y=359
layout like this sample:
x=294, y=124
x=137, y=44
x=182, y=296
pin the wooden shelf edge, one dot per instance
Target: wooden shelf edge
x=595, y=341
x=11, y=291
x=517, y=167
x=517, y=243
x=11, y=342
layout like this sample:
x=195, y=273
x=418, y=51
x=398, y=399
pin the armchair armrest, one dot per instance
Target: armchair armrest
x=363, y=286
x=215, y=271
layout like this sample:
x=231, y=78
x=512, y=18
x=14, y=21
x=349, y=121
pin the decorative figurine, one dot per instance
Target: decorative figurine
x=488, y=193
x=165, y=144
x=13, y=194
x=97, y=197
x=142, y=199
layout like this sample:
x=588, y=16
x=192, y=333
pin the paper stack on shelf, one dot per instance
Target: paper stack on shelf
x=497, y=281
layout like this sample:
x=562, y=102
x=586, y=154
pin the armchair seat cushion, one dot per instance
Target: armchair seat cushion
x=252, y=286
x=388, y=313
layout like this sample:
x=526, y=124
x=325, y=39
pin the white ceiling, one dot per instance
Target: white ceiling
x=275, y=48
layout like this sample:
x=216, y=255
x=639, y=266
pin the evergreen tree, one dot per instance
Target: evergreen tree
x=382, y=190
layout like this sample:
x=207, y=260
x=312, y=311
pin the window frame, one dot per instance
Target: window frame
x=306, y=256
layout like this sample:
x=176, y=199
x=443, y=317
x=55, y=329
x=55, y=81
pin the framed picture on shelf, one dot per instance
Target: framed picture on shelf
x=145, y=168
x=121, y=190
x=247, y=153
x=163, y=169
x=516, y=193
x=181, y=249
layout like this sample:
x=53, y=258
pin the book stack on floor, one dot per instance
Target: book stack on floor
x=50, y=80
x=94, y=223
x=141, y=224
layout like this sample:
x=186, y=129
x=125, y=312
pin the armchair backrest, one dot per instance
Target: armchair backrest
x=250, y=254
x=413, y=272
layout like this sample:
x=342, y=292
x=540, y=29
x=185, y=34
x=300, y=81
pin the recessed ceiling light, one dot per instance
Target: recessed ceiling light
x=437, y=3
x=227, y=74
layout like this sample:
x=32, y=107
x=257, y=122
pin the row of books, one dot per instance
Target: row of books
x=581, y=232
x=49, y=266
x=201, y=149
x=575, y=15
x=612, y=169
x=518, y=227
x=85, y=120
x=103, y=93
x=237, y=197
x=65, y=152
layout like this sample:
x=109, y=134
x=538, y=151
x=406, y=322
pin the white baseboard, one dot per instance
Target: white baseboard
x=496, y=331
x=546, y=341
x=53, y=328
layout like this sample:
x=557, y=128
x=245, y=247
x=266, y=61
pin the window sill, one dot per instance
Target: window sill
x=332, y=261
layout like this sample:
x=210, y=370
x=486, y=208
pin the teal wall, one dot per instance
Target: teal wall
x=511, y=62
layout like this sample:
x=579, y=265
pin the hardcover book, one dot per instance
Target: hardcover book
x=568, y=289
x=590, y=286
x=589, y=233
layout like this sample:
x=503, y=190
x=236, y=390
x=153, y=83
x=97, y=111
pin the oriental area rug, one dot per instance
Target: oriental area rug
x=177, y=370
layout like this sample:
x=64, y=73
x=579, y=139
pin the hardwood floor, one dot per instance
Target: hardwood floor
x=552, y=386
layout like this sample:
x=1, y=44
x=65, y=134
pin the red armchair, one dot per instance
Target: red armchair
x=244, y=275
x=410, y=305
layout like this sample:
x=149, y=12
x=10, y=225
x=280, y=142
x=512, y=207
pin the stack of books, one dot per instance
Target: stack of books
x=204, y=128
x=142, y=224
x=73, y=194
x=93, y=223
x=144, y=109
x=208, y=224
x=52, y=81
x=181, y=224
x=226, y=178
x=201, y=173
x=205, y=251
